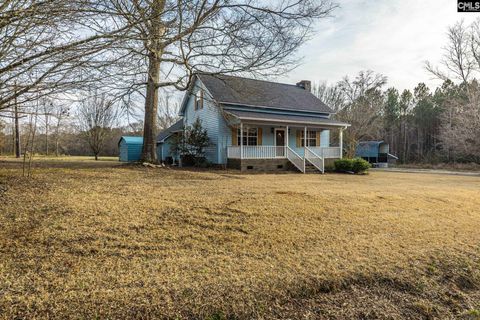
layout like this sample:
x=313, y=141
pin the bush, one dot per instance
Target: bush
x=192, y=161
x=356, y=165
x=344, y=165
x=360, y=166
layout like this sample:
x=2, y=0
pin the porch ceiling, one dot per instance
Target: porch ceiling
x=285, y=119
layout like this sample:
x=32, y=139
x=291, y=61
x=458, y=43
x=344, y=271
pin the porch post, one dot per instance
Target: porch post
x=305, y=137
x=241, y=140
x=341, y=142
x=304, y=146
x=286, y=144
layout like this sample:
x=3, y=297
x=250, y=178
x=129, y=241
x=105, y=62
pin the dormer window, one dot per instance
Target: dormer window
x=199, y=100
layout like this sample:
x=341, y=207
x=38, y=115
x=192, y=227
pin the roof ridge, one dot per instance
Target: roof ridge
x=253, y=79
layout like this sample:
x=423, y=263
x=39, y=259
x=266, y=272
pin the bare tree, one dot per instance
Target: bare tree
x=30, y=140
x=364, y=101
x=460, y=54
x=460, y=130
x=169, y=41
x=46, y=46
x=95, y=119
x=332, y=96
x=60, y=114
x=168, y=113
x=47, y=108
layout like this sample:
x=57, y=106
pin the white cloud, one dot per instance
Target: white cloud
x=392, y=37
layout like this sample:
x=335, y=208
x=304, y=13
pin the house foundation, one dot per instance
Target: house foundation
x=261, y=165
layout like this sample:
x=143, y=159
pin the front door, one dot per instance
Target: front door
x=280, y=142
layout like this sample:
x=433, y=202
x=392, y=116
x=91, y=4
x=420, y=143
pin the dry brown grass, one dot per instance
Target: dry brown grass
x=85, y=241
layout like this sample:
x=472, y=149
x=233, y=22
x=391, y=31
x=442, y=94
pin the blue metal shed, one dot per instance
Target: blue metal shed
x=375, y=152
x=130, y=148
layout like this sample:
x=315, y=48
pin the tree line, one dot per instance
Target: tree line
x=424, y=124
x=90, y=126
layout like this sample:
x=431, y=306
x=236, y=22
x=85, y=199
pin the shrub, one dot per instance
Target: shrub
x=356, y=165
x=360, y=166
x=191, y=145
x=344, y=165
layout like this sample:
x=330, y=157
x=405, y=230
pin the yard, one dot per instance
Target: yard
x=102, y=240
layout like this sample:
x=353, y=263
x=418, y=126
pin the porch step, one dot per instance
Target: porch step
x=310, y=168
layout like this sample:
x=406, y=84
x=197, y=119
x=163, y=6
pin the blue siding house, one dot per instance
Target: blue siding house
x=130, y=148
x=164, y=140
x=257, y=125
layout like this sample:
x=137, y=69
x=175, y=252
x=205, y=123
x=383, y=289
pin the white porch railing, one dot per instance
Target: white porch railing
x=272, y=152
x=233, y=153
x=294, y=158
x=317, y=161
x=256, y=152
x=326, y=152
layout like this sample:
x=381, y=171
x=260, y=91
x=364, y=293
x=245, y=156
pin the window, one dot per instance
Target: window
x=311, y=138
x=250, y=136
x=199, y=100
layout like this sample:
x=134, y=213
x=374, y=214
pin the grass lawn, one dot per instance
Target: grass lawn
x=89, y=240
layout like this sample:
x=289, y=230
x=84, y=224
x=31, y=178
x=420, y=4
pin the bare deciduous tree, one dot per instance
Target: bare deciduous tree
x=363, y=107
x=46, y=46
x=60, y=114
x=460, y=129
x=460, y=53
x=95, y=119
x=168, y=112
x=332, y=96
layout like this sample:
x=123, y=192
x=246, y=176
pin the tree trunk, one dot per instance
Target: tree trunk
x=96, y=156
x=149, y=153
x=56, y=147
x=156, y=32
x=57, y=131
x=17, y=133
x=46, y=137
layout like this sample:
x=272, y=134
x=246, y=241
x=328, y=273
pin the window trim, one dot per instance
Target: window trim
x=311, y=136
x=247, y=136
x=198, y=101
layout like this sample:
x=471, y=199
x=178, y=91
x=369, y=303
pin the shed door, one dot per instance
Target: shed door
x=123, y=151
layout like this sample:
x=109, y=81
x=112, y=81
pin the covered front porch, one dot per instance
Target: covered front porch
x=260, y=146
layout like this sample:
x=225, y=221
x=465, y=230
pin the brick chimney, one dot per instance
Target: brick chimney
x=305, y=84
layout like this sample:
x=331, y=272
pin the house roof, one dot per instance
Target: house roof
x=284, y=118
x=176, y=127
x=263, y=94
x=132, y=139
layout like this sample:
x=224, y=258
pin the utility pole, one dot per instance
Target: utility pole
x=17, y=129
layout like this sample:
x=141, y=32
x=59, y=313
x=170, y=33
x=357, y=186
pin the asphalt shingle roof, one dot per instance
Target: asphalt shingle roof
x=177, y=126
x=259, y=93
x=287, y=119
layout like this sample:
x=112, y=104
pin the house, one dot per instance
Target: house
x=260, y=125
x=375, y=152
x=164, y=140
x=130, y=148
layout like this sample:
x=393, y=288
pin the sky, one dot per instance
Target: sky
x=391, y=37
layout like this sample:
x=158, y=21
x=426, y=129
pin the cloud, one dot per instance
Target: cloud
x=392, y=37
